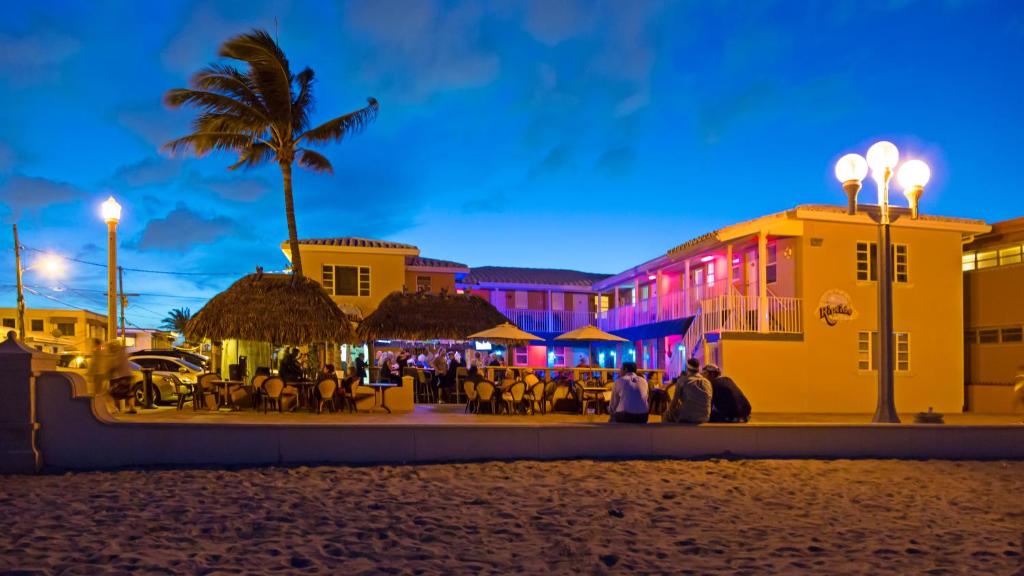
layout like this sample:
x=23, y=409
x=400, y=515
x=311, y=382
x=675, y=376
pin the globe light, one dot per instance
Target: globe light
x=913, y=174
x=110, y=210
x=851, y=168
x=883, y=155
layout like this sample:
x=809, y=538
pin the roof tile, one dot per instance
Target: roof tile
x=353, y=242
x=547, y=276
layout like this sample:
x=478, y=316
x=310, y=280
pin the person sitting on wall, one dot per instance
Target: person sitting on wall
x=629, y=397
x=728, y=403
x=659, y=397
x=692, y=401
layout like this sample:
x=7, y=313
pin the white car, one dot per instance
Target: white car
x=173, y=370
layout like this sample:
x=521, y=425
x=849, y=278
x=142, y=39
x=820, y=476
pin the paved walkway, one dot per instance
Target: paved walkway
x=452, y=414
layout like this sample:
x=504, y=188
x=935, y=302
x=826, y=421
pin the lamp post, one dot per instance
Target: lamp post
x=882, y=158
x=111, y=213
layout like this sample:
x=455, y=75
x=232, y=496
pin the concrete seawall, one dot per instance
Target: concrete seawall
x=76, y=432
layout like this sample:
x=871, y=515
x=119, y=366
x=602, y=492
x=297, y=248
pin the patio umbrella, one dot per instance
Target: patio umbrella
x=589, y=334
x=505, y=333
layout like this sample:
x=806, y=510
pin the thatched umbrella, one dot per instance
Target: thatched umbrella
x=425, y=316
x=275, y=308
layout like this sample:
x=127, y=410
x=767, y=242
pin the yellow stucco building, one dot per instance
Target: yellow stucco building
x=57, y=331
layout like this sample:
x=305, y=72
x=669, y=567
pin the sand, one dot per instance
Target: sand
x=707, y=517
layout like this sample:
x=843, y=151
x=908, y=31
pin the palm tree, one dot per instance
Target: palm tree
x=176, y=319
x=262, y=114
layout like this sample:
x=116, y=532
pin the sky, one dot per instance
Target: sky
x=548, y=133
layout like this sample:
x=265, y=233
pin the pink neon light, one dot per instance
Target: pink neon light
x=652, y=277
x=735, y=260
x=707, y=259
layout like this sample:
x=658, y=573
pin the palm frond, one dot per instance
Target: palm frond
x=315, y=161
x=336, y=130
x=228, y=123
x=201, y=143
x=253, y=156
x=213, y=103
x=269, y=71
x=229, y=81
x=304, y=102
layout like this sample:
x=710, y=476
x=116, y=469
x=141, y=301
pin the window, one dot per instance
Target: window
x=987, y=259
x=867, y=351
x=423, y=283
x=968, y=261
x=66, y=328
x=867, y=262
x=9, y=323
x=557, y=301
x=711, y=273
x=1010, y=255
x=990, y=336
x=770, y=266
x=129, y=341
x=519, y=356
x=556, y=357
x=522, y=300
x=1012, y=335
x=37, y=325
x=346, y=280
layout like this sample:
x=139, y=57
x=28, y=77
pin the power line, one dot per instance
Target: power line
x=142, y=270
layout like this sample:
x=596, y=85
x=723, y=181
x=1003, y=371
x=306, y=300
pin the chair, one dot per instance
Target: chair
x=485, y=393
x=272, y=388
x=535, y=397
x=472, y=404
x=347, y=398
x=561, y=393
x=327, y=387
x=460, y=375
x=204, y=385
x=257, y=390
x=513, y=397
x=186, y=393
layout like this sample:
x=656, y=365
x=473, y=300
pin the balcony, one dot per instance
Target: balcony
x=556, y=321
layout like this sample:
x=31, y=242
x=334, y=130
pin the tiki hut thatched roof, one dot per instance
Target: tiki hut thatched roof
x=424, y=316
x=275, y=308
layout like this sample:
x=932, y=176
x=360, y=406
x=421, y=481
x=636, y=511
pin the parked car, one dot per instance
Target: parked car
x=169, y=367
x=191, y=357
x=165, y=384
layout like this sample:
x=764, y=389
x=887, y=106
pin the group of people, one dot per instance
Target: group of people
x=701, y=395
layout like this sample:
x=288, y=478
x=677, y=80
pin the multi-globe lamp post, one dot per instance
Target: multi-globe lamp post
x=851, y=169
x=110, y=210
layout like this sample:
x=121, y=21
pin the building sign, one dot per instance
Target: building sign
x=835, y=306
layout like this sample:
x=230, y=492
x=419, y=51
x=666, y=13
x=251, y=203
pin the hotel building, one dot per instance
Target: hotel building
x=993, y=265
x=57, y=331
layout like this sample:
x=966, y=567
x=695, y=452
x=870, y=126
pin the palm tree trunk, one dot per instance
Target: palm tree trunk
x=289, y=212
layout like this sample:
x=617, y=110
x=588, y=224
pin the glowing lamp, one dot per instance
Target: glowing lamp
x=652, y=276
x=51, y=265
x=851, y=168
x=913, y=174
x=110, y=210
x=883, y=156
x=707, y=259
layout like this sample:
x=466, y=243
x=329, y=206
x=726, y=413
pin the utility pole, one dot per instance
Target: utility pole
x=21, y=288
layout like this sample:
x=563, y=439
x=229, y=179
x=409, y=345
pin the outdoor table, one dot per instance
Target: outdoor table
x=379, y=388
x=225, y=391
x=305, y=388
x=590, y=392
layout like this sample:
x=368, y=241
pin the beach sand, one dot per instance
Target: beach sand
x=703, y=517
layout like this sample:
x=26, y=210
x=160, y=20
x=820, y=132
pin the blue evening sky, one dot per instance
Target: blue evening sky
x=555, y=133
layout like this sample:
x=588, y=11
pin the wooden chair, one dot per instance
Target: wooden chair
x=272, y=388
x=205, y=387
x=485, y=393
x=512, y=397
x=472, y=400
x=327, y=388
x=186, y=393
x=535, y=397
x=257, y=390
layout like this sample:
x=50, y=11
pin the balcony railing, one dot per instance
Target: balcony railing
x=549, y=321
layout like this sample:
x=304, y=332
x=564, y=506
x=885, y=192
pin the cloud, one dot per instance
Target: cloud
x=558, y=159
x=7, y=158
x=183, y=229
x=152, y=122
x=715, y=118
x=616, y=162
x=554, y=21
x=30, y=194
x=237, y=188
x=420, y=49
x=152, y=171
x=35, y=58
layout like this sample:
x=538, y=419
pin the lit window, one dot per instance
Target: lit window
x=968, y=261
x=987, y=259
x=989, y=336
x=1012, y=335
x=711, y=273
x=557, y=356
x=520, y=356
x=1010, y=255
x=867, y=262
x=423, y=283
x=867, y=351
x=66, y=328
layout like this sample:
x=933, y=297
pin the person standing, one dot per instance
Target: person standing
x=692, y=401
x=629, y=397
x=361, y=366
x=120, y=376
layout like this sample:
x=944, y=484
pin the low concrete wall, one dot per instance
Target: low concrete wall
x=76, y=432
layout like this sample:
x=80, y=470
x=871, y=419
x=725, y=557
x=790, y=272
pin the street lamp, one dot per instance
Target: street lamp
x=111, y=213
x=882, y=158
x=51, y=265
